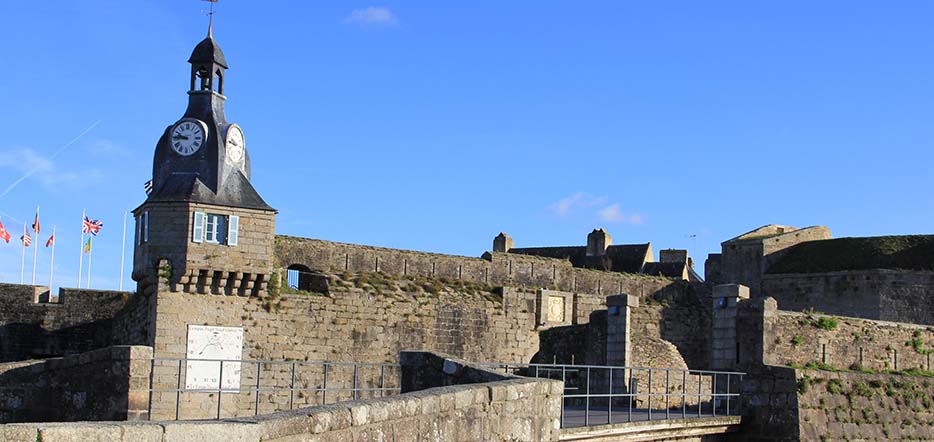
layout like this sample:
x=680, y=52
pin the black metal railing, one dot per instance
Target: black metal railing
x=260, y=386
x=601, y=395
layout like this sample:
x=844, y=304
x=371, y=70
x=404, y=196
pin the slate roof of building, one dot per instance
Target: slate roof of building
x=906, y=252
x=669, y=269
x=626, y=258
x=236, y=192
x=208, y=51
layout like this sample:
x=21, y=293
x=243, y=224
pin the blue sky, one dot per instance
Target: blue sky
x=434, y=126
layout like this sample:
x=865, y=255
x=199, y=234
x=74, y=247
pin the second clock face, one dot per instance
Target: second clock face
x=235, y=143
x=187, y=137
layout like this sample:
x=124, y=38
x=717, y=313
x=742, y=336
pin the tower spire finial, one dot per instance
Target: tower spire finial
x=211, y=17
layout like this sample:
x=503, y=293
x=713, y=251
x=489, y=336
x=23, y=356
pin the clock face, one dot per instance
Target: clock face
x=187, y=137
x=235, y=143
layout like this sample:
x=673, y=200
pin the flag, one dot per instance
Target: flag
x=92, y=226
x=26, y=239
x=147, y=186
x=87, y=246
x=51, y=241
x=4, y=235
x=35, y=224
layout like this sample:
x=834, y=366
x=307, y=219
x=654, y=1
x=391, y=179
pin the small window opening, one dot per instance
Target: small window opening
x=205, y=77
x=219, y=81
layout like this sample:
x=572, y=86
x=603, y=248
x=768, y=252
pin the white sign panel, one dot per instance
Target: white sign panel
x=221, y=344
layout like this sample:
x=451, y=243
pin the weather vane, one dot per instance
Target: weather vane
x=210, y=15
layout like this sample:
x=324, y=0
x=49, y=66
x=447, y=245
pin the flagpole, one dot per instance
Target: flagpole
x=52, y=263
x=22, y=270
x=81, y=250
x=35, y=252
x=87, y=282
x=122, y=250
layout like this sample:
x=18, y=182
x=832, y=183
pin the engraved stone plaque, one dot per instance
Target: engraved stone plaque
x=555, y=309
x=219, y=344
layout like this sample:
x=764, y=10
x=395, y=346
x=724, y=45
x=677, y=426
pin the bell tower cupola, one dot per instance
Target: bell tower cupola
x=207, y=67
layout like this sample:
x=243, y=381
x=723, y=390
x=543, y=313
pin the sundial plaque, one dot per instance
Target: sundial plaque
x=218, y=344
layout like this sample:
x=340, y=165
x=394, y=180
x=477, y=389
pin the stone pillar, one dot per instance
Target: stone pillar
x=502, y=243
x=723, y=341
x=597, y=242
x=618, y=342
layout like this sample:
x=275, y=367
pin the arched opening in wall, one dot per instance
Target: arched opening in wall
x=302, y=278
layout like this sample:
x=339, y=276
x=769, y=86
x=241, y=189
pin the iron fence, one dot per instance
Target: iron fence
x=601, y=395
x=235, y=388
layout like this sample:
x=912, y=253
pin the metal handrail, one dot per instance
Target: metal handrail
x=721, y=398
x=178, y=365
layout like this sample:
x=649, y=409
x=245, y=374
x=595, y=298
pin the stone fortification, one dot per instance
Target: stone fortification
x=891, y=295
x=745, y=258
x=79, y=320
x=798, y=339
x=105, y=384
x=455, y=402
x=494, y=268
x=857, y=406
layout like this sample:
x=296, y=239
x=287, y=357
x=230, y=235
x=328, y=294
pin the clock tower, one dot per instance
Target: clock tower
x=203, y=219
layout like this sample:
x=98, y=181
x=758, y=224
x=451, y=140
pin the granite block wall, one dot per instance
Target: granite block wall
x=80, y=320
x=106, y=384
x=857, y=406
x=494, y=268
x=890, y=295
x=797, y=339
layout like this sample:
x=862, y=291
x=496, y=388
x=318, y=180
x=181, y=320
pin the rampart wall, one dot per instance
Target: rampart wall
x=80, y=320
x=891, y=295
x=105, y=384
x=842, y=342
x=498, y=269
x=454, y=402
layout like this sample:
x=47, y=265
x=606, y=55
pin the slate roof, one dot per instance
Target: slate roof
x=235, y=192
x=906, y=252
x=669, y=269
x=627, y=258
x=208, y=51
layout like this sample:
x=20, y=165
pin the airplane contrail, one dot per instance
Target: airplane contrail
x=50, y=158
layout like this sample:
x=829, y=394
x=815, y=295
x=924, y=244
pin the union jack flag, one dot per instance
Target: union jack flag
x=27, y=240
x=92, y=226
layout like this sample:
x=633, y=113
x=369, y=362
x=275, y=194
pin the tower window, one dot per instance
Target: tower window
x=215, y=228
x=219, y=81
x=142, y=228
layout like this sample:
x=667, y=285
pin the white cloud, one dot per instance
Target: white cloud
x=566, y=205
x=372, y=16
x=614, y=214
x=30, y=165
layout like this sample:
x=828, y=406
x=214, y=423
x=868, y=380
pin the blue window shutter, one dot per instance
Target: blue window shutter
x=197, y=232
x=233, y=230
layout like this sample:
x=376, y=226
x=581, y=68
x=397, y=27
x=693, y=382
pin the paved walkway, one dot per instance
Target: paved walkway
x=578, y=416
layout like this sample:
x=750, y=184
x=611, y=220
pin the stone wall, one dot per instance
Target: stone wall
x=80, y=320
x=798, y=339
x=499, y=269
x=891, y=295
x=857, y=406
x=369, y=323
x=106, y=384
x=477, y=405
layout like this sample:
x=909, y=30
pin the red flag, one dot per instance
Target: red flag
x=50, y=241
x=35, y=224
x=4, y=235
